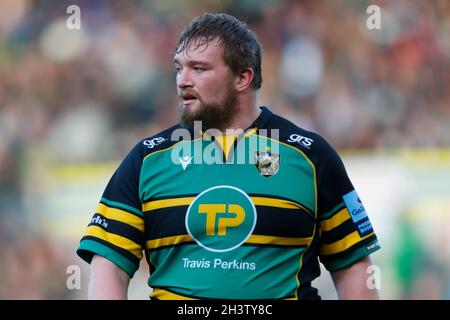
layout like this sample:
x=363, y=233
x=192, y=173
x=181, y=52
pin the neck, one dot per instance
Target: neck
x=248, y=112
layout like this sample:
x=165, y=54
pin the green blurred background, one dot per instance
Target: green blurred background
x=73, y=102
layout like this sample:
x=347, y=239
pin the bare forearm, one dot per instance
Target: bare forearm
x=107, y=281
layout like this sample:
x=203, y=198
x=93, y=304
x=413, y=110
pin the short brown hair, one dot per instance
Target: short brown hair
x=241, y=47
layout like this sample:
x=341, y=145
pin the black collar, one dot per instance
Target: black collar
x=263, y=118
x=259, y=123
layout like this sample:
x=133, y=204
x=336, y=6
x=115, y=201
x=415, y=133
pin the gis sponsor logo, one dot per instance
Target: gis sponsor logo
x=304, y=141
x=221, y=218
x=151, y=143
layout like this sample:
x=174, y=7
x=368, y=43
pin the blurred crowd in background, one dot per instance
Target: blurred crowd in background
x=86, y=96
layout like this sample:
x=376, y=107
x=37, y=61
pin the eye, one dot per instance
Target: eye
x=177, y=68
x=199, y=69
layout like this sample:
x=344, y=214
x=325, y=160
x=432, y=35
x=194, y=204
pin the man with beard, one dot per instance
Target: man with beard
x=228, y=229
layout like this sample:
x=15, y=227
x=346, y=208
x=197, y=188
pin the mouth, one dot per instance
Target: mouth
x=188, y=98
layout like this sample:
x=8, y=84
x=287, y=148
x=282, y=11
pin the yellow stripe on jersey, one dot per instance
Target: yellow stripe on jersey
x=278, y=203
x=166, y=295
x=121, y=215
x=167, y=241
x=116, y=240
x=162, y=294
x=335, y=220
x=343, y=244
x=261, y=201
x=166, y=203
x=253, y=239
x=288, y=241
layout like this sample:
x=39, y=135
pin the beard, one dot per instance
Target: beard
x=211, y=115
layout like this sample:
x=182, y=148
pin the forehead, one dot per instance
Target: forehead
x=201, y=51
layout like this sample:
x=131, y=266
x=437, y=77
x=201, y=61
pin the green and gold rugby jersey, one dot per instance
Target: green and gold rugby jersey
x=250, y=222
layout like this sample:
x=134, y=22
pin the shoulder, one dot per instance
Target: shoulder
x=156, y=142
x=312, y=144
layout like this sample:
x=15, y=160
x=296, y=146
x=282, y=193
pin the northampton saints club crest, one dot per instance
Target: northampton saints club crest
x=267, y=163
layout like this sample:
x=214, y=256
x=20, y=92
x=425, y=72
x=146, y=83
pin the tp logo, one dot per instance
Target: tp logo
x=212, y=210
x=221, y=218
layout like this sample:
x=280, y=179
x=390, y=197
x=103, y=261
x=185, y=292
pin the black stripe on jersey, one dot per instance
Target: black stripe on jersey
x=165, y=222
x=338, y=233
x=125, y=253
x=346, y=253
x=271, y=221
x=272, y=245
x=282, y=222
x=119, y=228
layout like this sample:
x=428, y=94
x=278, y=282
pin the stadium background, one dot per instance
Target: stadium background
x=73, y=102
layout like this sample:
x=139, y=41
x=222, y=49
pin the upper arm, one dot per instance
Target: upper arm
x=116, y=230
x=352, y=281
x=107, y=281
x=345, y=231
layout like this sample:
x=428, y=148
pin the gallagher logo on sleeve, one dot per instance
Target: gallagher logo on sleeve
x=358, y=213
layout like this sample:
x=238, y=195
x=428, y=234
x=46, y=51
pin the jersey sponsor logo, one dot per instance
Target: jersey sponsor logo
x=221, y=218
x=304, y=141
x=151, y=143
x=355, y=206
x=211, y=210
x=267, y=163
x=99, y=221
x=358, y=213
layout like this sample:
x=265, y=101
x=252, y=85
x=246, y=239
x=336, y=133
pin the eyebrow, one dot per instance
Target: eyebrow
x=191, y=62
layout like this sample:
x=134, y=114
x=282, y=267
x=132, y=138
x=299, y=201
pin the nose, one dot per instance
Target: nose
x=183, y=79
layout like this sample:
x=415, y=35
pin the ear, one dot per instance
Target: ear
x=244, y=79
